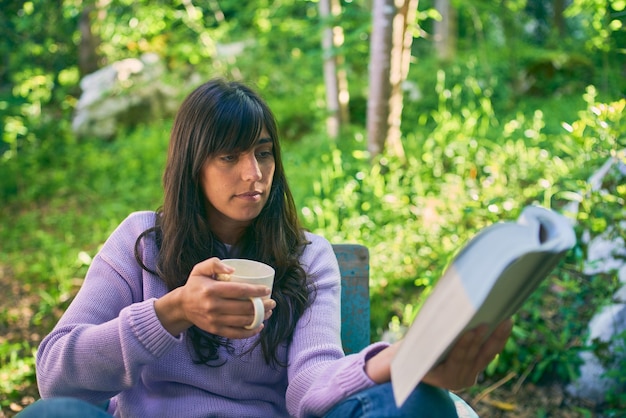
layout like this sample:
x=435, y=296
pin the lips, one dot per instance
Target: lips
x=250, y=194
x=251, y=197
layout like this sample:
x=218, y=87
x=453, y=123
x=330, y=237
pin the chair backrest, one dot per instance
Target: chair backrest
x=355, y=296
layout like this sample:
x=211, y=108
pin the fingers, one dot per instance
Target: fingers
x=215, y=270
x=462, y=360
x=505, y=328
x=222, y=307
x=494, y=344
x=469, y=356
x=211, y=267
x=235, y=311
x=237, y=291
x=231, y=319
x=242, y=309
x=269, y=305
x=469, y=345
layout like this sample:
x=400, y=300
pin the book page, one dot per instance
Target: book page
x=413, y=361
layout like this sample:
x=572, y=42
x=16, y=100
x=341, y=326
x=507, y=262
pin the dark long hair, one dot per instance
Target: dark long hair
x=224, y=116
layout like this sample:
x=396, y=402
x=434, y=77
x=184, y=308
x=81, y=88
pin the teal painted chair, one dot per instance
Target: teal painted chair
x=354, y=267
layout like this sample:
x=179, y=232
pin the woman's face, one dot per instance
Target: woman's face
x=237, y=186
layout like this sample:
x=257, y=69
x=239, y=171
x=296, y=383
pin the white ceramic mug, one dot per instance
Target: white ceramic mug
x=252, y=272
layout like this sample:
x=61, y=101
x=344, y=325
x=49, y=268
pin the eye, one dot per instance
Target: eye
x=228, y=158
x=262, y=154
x=264, y=151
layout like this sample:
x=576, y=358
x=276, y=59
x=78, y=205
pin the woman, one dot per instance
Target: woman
x=152, y=333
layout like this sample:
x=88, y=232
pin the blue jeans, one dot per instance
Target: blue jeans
x=63, y=408
x=378, y=402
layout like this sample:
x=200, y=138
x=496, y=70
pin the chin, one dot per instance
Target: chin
x=248, y=218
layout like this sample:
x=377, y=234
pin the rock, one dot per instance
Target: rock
x=593, y=383
x=123, y=94
x=606, y=253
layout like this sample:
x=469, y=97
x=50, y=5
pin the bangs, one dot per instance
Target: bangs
x=239, y=123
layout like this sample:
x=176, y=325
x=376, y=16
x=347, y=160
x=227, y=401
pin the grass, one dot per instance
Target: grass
x=63, y=213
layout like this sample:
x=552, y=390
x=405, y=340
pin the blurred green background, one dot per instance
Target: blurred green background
x=526, y=105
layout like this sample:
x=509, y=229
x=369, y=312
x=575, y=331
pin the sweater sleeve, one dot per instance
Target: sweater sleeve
x=319, y=373
x=109, y=332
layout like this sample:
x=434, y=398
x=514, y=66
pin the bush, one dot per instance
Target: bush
x=459, y=176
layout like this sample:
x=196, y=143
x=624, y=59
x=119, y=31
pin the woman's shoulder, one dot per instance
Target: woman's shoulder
x=317, y=249
x=319, y=261
x=139, y=221
x=120, y=246
x=316, y=243
x=141, y=215
x=316, y=238
x=131, y=227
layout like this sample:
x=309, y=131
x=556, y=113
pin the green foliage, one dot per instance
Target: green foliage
x=601, y=20
x=617, y=372
x=469, y=169
x=71, y=196
x=38, y=73
x=478, y=150
x=17, y=370
x=38, y=83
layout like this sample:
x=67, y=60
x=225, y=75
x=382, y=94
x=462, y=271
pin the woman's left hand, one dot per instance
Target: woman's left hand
x=469, y=356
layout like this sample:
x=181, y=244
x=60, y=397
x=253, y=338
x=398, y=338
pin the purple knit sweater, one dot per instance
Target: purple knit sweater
x=110, y=344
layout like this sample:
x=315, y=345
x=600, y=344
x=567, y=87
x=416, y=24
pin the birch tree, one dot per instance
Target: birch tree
x=390, y=49
x=383, y=13
x=335, y=78
x=445, y=30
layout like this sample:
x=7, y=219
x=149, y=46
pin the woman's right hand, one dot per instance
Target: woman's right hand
x=217, y=307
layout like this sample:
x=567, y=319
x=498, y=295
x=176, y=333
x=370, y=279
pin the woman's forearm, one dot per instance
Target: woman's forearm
x=378, y=367
x=168, y=311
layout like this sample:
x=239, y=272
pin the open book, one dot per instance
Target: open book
x=487, y=282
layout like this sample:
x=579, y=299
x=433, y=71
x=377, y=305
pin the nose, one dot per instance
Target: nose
x=250, y=170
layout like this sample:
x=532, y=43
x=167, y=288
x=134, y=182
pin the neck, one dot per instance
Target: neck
x=228, y=232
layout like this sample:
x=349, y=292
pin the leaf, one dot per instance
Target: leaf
x=503, y=406
x=569, y=195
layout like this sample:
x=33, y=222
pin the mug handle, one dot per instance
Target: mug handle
x=259, y=313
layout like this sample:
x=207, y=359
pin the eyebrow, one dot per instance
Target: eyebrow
x=264, y=140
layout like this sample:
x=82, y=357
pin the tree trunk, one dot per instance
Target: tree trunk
x=383, y=13
x=342, y=76
x=400, y=64
x=331, y=79
x=389, y=66
x=88, y=57
x=445, y=30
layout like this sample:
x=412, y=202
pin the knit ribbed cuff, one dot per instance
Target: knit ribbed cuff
x=148, y=329
x=355, y=374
